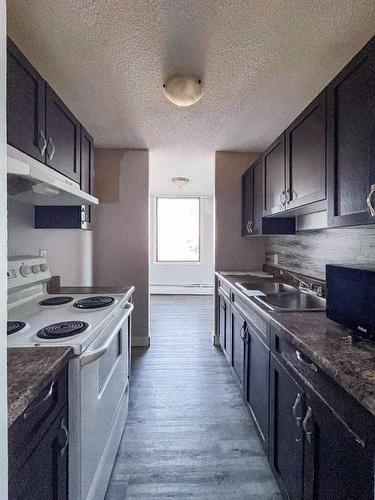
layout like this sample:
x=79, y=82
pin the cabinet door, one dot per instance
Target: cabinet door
x=248, y=202
x=45, y=474
x=336, y=464
x=258, y=197
x=238, y=347
x=286, y=438
x=257, y=386
x=63, y=137
x=25, y=105
x=306, y=156
x=274, y=177
x=87, y=174
x=222, y=320
x=351, y=144
x=228, y=333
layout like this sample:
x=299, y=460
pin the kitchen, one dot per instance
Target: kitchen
x=253, y=375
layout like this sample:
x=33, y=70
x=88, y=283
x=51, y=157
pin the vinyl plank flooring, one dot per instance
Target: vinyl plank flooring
x=188, y=433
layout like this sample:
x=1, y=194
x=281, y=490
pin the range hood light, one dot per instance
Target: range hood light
x=41, y=188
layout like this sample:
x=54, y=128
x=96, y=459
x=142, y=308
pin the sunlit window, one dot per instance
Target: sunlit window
x=177, y=226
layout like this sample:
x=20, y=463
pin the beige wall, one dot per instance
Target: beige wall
x=121, y=230
x=232, y=252
x=69, y=251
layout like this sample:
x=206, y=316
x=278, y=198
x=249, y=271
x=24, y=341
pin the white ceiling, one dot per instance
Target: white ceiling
x=261, y=62
x=199, y=168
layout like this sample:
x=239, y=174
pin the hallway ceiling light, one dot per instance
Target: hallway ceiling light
x=183, y=90
x=180, y=182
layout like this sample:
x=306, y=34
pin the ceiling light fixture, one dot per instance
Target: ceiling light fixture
x=183, y=90
x=180, y=182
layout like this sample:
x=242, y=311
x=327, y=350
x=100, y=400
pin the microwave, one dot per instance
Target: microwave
x=351, y=298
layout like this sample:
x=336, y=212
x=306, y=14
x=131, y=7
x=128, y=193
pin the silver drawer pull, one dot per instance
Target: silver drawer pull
x=42, y=143
x=65, y=430
x=305, y=425
x=303, y=361
x=297, y=409
x=37, y=405
x=53, y=149
x=369, y=201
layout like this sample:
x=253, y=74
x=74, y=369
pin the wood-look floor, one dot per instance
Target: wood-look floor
x=188, y=433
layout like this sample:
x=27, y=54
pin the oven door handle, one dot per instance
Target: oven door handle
x=98, y=353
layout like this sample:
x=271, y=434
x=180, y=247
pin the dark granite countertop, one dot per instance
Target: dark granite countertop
x=30, y=369
x=351, y=366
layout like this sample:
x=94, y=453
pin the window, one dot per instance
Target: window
x=177, y=230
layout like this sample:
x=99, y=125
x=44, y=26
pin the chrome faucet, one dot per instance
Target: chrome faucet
x=303, y=286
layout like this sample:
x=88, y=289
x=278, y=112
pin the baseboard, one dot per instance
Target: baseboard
x=181, y=289
x=140, y=341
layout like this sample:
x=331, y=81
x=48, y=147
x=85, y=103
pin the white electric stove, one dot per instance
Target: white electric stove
x=98, y=328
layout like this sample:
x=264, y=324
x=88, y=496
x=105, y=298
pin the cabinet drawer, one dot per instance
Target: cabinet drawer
x=259, y=324
x=356, y=418
x=28, y=429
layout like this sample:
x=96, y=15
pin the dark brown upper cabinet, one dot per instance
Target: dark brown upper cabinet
x=253, y=222
x=274, y=177
x=38, y=122
x=351, y=141
x=248, y=202
x=63, y=137
x=26, y=119
x=306, y=156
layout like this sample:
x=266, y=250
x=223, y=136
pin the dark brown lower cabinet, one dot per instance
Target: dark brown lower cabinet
x=319, y=442
x=257, y=382
x=286, y=434
x=44, y=476
x=336, y=463
x=238, y=347
x=224, y=323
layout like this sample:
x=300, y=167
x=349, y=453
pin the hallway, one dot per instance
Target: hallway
x=188, y=433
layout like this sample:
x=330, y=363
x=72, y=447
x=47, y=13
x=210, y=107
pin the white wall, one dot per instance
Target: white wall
x=200, y=170
x=69, y=251
x=3, y=283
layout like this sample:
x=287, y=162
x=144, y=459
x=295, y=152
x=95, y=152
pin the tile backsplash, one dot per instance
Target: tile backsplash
x=309, y=252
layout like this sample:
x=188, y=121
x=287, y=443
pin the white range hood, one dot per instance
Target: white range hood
x=32, y=182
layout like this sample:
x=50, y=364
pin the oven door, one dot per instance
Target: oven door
x=104, y=378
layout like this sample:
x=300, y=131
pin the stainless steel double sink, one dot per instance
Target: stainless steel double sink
x=283, y=297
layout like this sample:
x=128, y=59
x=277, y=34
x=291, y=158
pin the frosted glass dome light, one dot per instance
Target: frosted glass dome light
x=183, y=90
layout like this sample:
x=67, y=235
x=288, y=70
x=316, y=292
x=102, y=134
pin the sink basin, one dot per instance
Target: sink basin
x=269, y=288
x=290, y=302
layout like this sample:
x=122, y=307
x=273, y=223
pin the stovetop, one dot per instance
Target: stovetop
x=37, y=317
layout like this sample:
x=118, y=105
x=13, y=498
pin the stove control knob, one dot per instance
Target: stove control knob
x=35, y=268
x=43, y=267
x=25, y=270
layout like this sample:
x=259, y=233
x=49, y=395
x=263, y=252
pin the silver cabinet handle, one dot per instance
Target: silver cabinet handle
x=53, y=149
x=287, y=196
x=303, y=361
x=65, y=430
x=305, y=424
x=369, y=201
x=42, y=143
x=297, y=409
x=244, y=330
x=249, y=226
x=282, y=197
x=37, y=405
